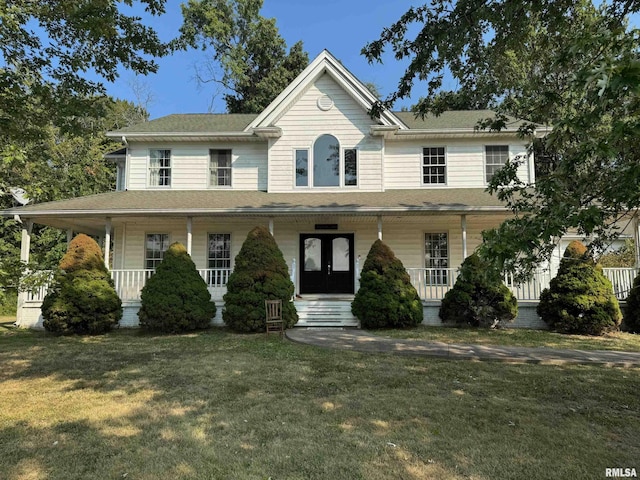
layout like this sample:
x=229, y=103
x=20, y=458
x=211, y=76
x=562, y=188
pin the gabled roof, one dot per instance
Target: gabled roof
x=323, y=63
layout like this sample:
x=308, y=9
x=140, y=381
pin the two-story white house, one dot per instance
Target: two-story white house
x=314, y=167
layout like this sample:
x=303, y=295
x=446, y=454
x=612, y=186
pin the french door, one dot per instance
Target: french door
x=327, y=264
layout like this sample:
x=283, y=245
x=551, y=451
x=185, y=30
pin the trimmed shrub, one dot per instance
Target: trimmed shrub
x=631, y=321
x=479, y=298
x=176, y=299
x=580, y=298
x=260, y=273
x=81, y=299
x=386, y=298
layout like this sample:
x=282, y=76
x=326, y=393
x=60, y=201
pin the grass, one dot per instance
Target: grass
x=221, y=405
x=518, y=337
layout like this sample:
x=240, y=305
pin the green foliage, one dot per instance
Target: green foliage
x=249, y=57
x=260, y=273
x=624, y=257
x=479, y=298
x=175, y=298
x=580, y=298
x=42, y=77
x=631, y=320
x=564, y=63
x=81, y=298
x=386, y=298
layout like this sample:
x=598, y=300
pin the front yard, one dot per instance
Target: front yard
x=221, y=405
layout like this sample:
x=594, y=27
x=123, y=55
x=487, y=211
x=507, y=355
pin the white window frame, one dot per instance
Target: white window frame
x=146, y=259
x=341, y=166
x=121, y=175
x=295, y=165
x=209, y=258
x=445, y=166
x=230, y=168
x=434, y=280
x=160, y=168
x=484, y=154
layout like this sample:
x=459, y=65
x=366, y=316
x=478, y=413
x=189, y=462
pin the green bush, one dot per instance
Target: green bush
x=580, y=298
x=631, y=322
x=260, y=273
x=386, y=298
x=81, y=299
x=479, y=298
x=175, y=298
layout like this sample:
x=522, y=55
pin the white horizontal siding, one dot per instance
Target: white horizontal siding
x=190, y=165
x=304, y=122
x=465, y=163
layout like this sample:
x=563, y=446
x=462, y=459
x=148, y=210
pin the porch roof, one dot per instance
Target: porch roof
x=240, y=202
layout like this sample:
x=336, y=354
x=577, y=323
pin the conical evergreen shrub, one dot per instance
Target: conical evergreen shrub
x=81, y=298
x=580, y=298
x=260, y=273
x=176, y=299
x=631, y=321
x=479, y=298
x=386, y=298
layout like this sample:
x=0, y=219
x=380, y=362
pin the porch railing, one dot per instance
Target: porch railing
x=129, y=283
x=431, y=283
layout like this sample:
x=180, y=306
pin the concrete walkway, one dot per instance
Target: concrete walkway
x=362, y=341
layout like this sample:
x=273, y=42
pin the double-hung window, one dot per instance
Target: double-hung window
x=219, y=258
x=496, y=156
x=350, y=167
x=436, y=258
x=155, y=246
x=219, y=168
x=434, y=166
x=159, y=168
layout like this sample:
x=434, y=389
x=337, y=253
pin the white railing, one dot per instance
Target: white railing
x=621, y=279
x=432, y=283
x=129, y=283
x=532, y=288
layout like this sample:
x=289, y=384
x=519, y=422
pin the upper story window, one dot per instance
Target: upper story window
x=155, y=246
x=434, y=166
x=326, y=165
x=496, y=156
x=121, y=176
x=159, y=168
x=219, y=168
x=326, y=162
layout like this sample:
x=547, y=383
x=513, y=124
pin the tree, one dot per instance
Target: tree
x=631, y=321
x=580, y=298
x=260, y=273
x=176, y=299
x=479, y=297
x=386, y=298
x=249, y=57
x=46, y=50
x=81, y=299
x=556, y=62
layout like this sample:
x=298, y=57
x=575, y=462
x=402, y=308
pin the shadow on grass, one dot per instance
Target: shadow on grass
x=219, y=405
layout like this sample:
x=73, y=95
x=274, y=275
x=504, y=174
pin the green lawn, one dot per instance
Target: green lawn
x=518, y=337
x=219, y=405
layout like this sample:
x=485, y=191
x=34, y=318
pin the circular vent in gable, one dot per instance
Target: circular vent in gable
x=325, y=102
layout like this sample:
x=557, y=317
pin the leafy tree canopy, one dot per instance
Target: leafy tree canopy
x=47, y=50
x=249, y=57
x=564, y=63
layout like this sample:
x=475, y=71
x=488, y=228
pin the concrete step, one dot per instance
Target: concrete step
x=328, y=313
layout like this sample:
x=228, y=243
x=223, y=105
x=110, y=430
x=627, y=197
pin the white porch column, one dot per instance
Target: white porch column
x=25, y=247
x=25, y=243
x=271, y=226
x=189, y=234
x=379, y=227
x=463, y=225
x=69, y=236
x=107, y=241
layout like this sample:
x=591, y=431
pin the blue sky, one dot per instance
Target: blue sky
x=341, y=26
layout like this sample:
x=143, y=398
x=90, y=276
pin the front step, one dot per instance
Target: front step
x=325, y=313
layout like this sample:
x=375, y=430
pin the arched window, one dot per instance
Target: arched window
x=326, y=162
